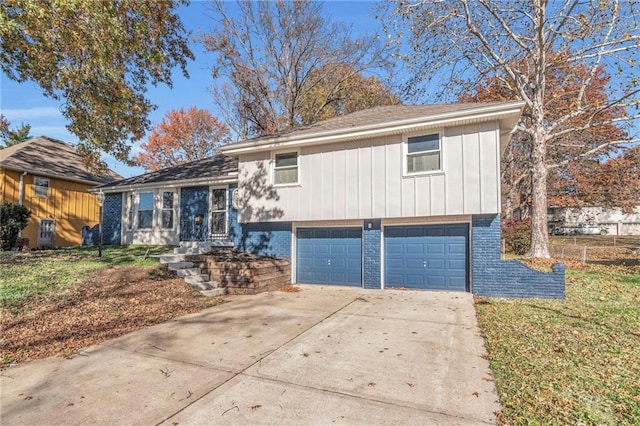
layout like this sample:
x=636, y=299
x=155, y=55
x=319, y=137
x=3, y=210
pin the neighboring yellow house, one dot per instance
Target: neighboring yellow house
x=49, y=178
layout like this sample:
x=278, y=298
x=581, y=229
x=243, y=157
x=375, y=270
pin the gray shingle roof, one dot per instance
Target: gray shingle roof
x=213, y=167
x=51, y=157
x=370, y=117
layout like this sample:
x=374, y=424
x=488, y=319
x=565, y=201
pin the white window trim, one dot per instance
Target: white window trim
x=211, y=211
x=36, y=186
x=161, y=208
x=130, y=204
x=405, y=152
x=273, y=167
x=154, y=216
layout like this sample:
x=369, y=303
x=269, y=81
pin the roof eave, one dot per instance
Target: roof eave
x=49, y=175
x=167, y=184
x=506, y=112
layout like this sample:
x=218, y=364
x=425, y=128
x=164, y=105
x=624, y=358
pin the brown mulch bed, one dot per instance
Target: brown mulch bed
x=108, y=304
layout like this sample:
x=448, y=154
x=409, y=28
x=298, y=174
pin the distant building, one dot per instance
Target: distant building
x=49, y=178
x=614, y=220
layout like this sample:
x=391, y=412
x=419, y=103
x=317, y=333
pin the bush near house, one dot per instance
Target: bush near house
x=13, y=219
x=516, y=234
x=573, y=361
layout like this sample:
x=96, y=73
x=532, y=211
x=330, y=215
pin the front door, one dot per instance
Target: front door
x=194, y=209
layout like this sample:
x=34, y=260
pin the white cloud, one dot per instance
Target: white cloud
x=35, y=113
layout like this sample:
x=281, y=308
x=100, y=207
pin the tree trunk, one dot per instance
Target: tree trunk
x=539, y=230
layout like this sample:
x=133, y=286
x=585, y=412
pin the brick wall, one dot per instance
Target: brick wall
x=493, y=277
x=372, y=254
x=267, y=239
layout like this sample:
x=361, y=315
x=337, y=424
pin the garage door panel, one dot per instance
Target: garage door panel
x=435, y=265
x=413, y=281
x=443, y=247
x=329, y=256
x=436, y=248
x=457, y=265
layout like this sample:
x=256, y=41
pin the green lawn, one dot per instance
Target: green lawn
x=27, y=274
x=573, y=361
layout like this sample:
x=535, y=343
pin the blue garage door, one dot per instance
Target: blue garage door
x=426, y=256
x=329, y=256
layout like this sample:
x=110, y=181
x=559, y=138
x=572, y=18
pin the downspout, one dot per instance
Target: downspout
x=21, y=196
x=21, y=189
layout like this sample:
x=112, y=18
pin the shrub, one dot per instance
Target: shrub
x=517, y=235
x=13, y=219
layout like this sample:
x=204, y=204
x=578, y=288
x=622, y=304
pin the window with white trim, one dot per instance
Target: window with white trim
x=423, y=153
x=145, y=210
x=40, y=186
x=168, y=206
x=218, y=224
x=131, y=213
x=285, y=170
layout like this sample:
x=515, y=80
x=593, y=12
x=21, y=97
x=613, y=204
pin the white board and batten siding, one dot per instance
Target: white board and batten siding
x=366, y=179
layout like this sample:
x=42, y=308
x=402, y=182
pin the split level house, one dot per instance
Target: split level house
x=49, y=178
x=394, y=196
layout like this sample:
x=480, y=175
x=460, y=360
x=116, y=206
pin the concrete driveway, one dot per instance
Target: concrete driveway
x=321, y=356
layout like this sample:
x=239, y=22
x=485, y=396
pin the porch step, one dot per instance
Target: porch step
x=175, y=266
x=221, y=291
x=189, y=272
x=202, y=278
x=190, y=250
x=169, y=258
x=192, y=275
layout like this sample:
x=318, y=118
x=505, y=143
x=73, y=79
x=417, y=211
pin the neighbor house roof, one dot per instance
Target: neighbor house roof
x=49, y=157
x=220, y=168
x=385, y=120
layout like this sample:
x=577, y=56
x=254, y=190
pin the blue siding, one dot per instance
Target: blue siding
x=329, y=256
x=493, y=277
x=112, y=219
x=426, y=256
x=194, y=201
x=372, y=246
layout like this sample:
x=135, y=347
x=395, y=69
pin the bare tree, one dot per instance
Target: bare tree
x=459, y=43
x=268, y=58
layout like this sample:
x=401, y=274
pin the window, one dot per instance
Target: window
x=145, y=210
x=167, y=210
x=423, y=153
x=218, y=212
x=131, y=211
x=286, y=168
x=40, y=186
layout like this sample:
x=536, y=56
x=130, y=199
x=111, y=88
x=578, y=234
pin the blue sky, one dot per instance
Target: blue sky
x=24, y=102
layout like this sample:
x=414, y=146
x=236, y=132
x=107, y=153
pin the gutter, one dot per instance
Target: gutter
x=167, y=184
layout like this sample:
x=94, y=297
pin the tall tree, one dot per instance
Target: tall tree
x=14, y=136
x=340, y=90
x=268, y=62
x=181, y=137
x=99, y=56
x=459, y=43
x=611, y=183
x=564, y=151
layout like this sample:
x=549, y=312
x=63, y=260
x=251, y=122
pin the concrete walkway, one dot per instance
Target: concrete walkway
x=324, y=355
